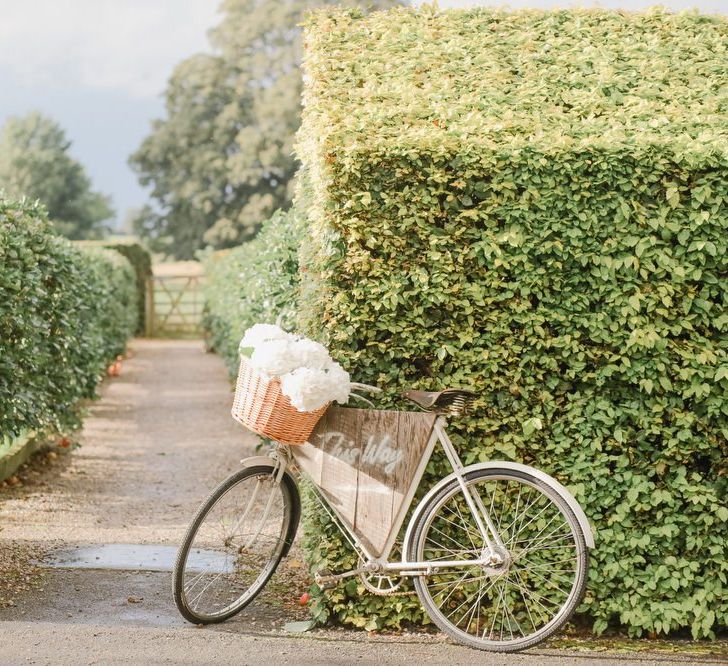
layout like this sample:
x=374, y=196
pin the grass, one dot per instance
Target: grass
x=636, y=645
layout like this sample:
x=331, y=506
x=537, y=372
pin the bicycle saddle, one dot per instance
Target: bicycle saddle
x=448, y=400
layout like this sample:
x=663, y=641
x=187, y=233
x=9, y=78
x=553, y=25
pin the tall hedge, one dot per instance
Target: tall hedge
x=535, y=205
x=141, y=261
x=65, y=312
x=253, y=283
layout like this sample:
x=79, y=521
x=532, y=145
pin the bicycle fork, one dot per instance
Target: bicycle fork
x=487, y=529
x=281, y=459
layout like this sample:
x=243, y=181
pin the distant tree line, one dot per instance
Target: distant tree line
x=221, y=160
x=35, y=164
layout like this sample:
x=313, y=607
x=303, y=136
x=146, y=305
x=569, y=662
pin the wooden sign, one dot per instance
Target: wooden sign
x=365, y=461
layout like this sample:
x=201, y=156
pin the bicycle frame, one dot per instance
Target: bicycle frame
x=282, y=455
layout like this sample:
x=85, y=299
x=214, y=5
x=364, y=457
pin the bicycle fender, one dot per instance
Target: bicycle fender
x=517, y=467
x=258, y=460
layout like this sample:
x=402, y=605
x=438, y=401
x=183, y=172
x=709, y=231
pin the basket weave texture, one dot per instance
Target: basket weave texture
x=260, y=406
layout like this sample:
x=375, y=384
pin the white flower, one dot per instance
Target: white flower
x=259, y=333
x=310, y=354
x=308, y=389
x=274, y=358
x=340, y=383
x=277, y=357
x=310, y=378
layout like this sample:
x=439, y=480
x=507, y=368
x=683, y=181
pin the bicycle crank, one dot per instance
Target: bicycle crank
x=326, y=580
x=379, y=583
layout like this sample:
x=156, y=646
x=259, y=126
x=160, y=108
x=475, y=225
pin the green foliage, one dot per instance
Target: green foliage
x=221, y=162
x=35, y=163
x=535, y=204
x=254, y=283
x=141, y=261
x=65, y=313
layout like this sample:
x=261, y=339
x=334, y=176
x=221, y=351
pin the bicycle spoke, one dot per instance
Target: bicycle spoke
x=520, y=594
x=548, y=581
x=447, y=536
x=452, y=555
x=475, y=605
x=478, y=599
x=464, y=526
x=233, y=547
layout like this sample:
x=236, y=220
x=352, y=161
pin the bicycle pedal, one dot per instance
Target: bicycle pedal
x=325, y=579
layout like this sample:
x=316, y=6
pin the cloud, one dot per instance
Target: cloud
x=129, y=46
x=705, y=6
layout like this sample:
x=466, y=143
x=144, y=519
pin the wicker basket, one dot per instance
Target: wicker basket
x=261, y=407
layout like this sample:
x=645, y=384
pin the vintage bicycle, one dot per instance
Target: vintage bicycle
x=497, y=551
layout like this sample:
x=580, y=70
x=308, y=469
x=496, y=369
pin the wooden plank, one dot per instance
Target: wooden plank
x=413, y=435
x=364, y=461
x=310, y=459
x=342, y=448
x=149, y=305
x=379, y=458
x=177, y=307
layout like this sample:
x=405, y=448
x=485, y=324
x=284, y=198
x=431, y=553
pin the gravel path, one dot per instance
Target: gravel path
x=151, y=449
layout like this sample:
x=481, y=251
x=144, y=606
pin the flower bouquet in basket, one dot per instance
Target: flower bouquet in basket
x=285, y=383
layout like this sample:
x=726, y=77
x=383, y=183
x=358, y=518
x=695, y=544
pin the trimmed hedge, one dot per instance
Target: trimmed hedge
x=253, y=283
x=65, y=313
x=141, y=261
x=535, y=204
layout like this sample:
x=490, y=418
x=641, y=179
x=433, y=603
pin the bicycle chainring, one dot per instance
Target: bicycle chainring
x=380, y=583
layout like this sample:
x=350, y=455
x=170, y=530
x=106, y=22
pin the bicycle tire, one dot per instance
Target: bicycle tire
x=292, y=513
x=417, y=548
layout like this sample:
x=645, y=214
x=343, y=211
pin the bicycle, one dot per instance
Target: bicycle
x=501, y=578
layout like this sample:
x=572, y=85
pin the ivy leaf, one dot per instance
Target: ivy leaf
x=673, y=197
x=721, y=373
x=531, y=425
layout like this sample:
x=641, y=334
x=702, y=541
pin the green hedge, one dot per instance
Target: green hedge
x=535, y=204
x=254, y=283
x=141, y=261
x=65, y=313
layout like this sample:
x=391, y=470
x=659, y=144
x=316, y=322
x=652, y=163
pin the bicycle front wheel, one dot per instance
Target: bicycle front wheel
x=520, y=602
x=234, y=544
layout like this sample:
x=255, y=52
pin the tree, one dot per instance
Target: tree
x=35, y=163
x=221, y=161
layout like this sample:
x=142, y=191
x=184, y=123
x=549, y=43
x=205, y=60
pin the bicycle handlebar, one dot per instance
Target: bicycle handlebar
x=356, y=386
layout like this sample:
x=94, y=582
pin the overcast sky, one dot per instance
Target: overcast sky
x=99, y=68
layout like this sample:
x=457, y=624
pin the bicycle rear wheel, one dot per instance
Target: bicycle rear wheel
x=234, y=544
x=521, y=602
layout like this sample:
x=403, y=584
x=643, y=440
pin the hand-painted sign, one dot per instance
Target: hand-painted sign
x=375, y=451
x=365, y=461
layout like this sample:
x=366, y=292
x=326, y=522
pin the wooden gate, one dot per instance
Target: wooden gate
x=174, y=306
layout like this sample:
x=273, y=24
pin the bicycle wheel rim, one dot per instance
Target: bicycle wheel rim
x=219, y=571
x=482, y=611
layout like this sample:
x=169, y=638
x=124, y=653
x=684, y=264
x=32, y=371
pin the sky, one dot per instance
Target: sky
x=99, y=68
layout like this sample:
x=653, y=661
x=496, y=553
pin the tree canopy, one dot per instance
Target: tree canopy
x=221, y=160
x=35, y=163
